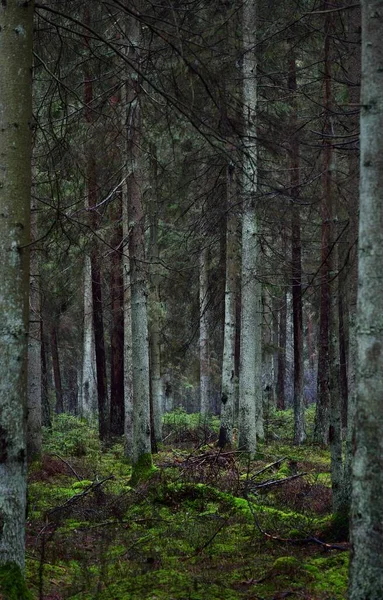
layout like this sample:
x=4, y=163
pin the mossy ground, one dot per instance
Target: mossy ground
x=199, y=527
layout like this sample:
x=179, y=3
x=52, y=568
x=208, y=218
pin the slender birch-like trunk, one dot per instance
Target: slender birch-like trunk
x=88, y=392
x=335, y=416
x=34, y=439
x=250, y=352
x=156, y=387
x=16, y=23
x=204, y=331
x=95, y=258
x=59, y=407
x=296, y=260
x=228, y=362
x=366, y=569
x=282, y=338
x=353, y=75
x=127, y=97
x=117, y=405
x=46, y=409
x=322, y=416
x=141, y=451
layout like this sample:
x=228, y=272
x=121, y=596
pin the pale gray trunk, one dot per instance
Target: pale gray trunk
x=128, y=356
x=258, y=364
x=366, y=569
x=16, y=21
x=353, y=75
x=204, y=331
x=228, y=361
x=155, y=318
x=250, y=352
x=34, y=439
x=335, y=434
x=88, y=394
x=141, y=452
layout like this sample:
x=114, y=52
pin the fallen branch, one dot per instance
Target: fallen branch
x=255, y=486
x=69, y=466
x=77, y=497
x=270, y=466
x=301, y=541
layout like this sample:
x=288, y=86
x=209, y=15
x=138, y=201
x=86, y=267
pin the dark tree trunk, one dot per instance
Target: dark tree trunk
x=323, y=398
x=343, y=352
x=56, y=371
x=98, y=321
x=117, y=406
x=281, y=380
x=296, y=257
x=45, y=408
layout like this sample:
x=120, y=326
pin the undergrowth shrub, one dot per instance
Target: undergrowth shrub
x=195, y=429
x=71, y=436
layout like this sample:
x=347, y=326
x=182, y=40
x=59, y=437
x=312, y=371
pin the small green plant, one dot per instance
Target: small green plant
x=71, y=436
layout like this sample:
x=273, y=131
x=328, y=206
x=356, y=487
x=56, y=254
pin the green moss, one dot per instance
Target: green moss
x=12, y=583
x=286, y=565
x=143, y=469
x=330, y=574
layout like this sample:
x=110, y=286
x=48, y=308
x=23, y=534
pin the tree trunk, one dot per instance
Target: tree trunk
x=127, y=98
x=95, y=259
x=117, y=405
x=296, y=260
x=366, y=570
x=56, y=371
x=282, y=341
x=88, y=398
x=15, y=197
x=34, y=439
x=46, y=409
x=353, y=75
x=250, y=352
x=204, y=332
x=322, y=415
x=155, y=320
x=228, y=361
x=142, y=458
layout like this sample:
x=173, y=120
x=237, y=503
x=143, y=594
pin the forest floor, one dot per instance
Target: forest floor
x=207, y=525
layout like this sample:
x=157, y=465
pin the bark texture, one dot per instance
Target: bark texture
x=250, y=352
x=117, y=405
x=228, y=362
x=296, y=261
x=16, y=21
x=34, y=439
x=204, y=331
x=366, y=570
x=141, y=451
x=88, y=395
x=322, y=416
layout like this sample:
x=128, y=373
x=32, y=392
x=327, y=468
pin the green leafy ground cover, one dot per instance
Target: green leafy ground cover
x=201, y=527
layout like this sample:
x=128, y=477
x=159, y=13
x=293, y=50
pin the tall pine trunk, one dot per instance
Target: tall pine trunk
x=322, y=416
x=34, y=438
x=117, y=405
x=15, y=197
x=250, y=351
x=366, y=570
x=141, y=451
x=296, y=260
x=95, y=258
x=228, y=361
x=204, y=331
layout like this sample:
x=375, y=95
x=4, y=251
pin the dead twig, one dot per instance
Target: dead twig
x=69, y=467
x=267, y=467
x=76, y=497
